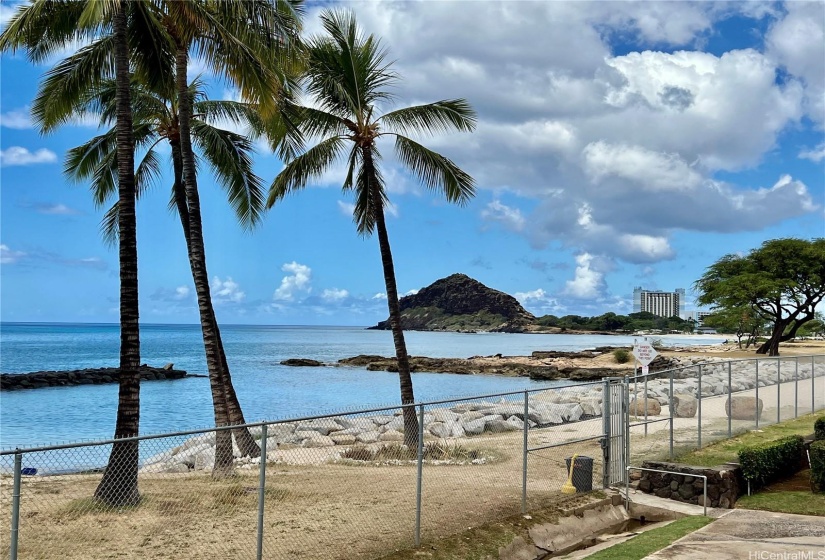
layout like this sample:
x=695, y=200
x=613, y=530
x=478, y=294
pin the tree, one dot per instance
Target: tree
x=782, y=281
x=42, y=28
x=348, y=78
x=740, y=321
x=228, y=155
x=243, y=41
x=235, y=35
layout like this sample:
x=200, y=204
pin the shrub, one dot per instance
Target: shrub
x=770, y=461
x=621, y=355
x=819, y=428
x=817, y=454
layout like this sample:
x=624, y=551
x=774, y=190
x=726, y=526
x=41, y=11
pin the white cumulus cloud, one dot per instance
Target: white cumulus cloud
x=815, y=154
x=10, y=256
x=510, y=218
x=334, y=294
x=16, y=118
x=223, y=291
x=298, y=279
x=588, y=282
x=17, y=155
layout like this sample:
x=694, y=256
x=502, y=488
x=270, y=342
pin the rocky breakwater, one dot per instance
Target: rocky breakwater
x=714, y=382
x=541, y=365
x=92, y=376
x=463, y=420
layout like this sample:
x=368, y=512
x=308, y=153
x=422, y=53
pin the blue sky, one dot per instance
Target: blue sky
x=619, y=144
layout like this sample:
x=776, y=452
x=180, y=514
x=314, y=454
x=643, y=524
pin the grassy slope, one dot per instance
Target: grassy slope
x=795, y=501
x=727, y=450
x=650, y=541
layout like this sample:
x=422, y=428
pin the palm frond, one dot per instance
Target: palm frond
x=230, y=156
x=435, y=171
x=366, y=187
x=45, y=27
x=110, y=225
x=432, y=118
x=319, y=123
x=309, y=165
x=64, y=90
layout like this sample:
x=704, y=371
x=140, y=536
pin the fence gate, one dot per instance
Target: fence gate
x=615, y=412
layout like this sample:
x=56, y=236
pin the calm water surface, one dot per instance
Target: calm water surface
x=266, y=389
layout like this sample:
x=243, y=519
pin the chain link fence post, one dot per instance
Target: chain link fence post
x=756, y=402
x=813, y=384
x=796, y=387
x=699, y=410
x=524, y=453
x=778, y=391
x=15, y=506
x=419, y=476
x=606, y=417
x=261, y=495
x=730, y=399
x=670, y=406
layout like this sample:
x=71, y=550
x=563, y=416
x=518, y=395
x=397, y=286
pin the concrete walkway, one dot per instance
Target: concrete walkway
x=752, y=535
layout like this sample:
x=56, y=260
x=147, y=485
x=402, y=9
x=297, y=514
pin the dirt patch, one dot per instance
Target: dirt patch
x=799, y=481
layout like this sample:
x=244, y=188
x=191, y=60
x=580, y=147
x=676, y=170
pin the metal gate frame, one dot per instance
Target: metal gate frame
x=616, y=440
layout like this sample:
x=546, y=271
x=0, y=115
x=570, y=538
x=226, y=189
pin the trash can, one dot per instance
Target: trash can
x=582, y=473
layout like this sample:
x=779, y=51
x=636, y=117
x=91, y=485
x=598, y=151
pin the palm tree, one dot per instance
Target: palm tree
x=42, y=28
x=244, y=41
x=228, y=154
x=250, y=42
x=348, y=78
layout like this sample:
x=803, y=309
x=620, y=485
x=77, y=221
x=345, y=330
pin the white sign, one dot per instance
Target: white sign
x=645, y=370
x=644, y=352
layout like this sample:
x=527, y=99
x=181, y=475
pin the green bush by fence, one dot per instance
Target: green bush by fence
x=769, y=461
x=817, y=454
x=819, y=428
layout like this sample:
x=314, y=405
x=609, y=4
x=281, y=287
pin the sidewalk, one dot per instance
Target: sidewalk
x=752, y=535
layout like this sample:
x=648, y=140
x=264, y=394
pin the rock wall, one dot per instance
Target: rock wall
x=94, y=376
x=723, y=483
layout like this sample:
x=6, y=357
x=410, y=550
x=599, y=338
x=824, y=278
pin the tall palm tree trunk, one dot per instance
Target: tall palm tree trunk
x=407, y=397
x=119, y=485
x=245, y=441
x=197, y=262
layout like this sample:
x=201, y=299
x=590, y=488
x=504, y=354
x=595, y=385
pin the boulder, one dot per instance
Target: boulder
x=342, y=439
x=591, y=406
x=470, y=416
x=440, y=429
x=684, y=406
x=638, y=408
x=319, y=440
x=499, y=425
x=323, y=426
x=363, y=424
x=743, y=408
x=391, y=435
x=443, y=415
x=368, y=437
x=205, y=460
x=474, y=427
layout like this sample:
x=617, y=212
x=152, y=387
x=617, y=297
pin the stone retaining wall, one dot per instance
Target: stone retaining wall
x=94, y=376
x=723, y=483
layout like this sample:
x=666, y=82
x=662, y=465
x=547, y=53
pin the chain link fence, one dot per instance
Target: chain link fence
x=360, y=485
x=718, y=399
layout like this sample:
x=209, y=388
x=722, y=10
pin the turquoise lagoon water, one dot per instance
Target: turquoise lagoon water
x=266, y=389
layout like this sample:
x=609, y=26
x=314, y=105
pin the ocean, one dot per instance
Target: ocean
x=266, y=389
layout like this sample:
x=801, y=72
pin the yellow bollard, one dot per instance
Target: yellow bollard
x=567, y=487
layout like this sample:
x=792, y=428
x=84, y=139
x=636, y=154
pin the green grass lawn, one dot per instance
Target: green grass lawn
x=728, y=450
x=650, y=541
x=791, y=501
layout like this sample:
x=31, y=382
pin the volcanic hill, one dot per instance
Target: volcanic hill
x=460, y=303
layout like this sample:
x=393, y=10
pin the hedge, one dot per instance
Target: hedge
x=767, y=462
x=817, y=454
x=819, y=428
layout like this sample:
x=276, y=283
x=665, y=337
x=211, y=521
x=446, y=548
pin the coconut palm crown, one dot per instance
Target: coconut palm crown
x=349, y=80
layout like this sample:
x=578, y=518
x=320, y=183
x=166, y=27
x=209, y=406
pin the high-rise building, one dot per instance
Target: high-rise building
x=663, y=304
x=698, y=317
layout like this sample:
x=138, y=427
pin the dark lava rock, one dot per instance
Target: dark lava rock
x=91, y=376
x=301, y=362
